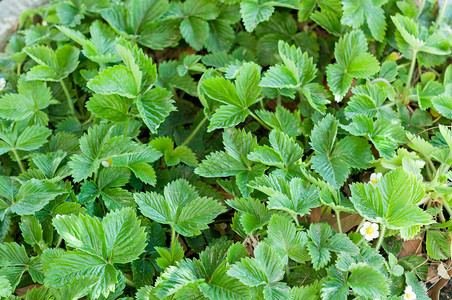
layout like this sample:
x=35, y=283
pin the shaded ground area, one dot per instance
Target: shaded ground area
x=446, y=292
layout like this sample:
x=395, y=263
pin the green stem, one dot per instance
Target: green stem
x=68, y=97
x=338, y=217
x=259, y=120
x=126, y=128
x=19, y=65
x=421, y=8
x=128, y=281
x=19, y=162
x=441, y=13
x=447, y=207
x=381, y=237
x=60, y=239
x=278, y=100
x=287, y=271
x=411, y=71
x=173, y=241
x=194, y=132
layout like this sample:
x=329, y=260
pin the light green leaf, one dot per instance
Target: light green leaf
x=181, y=207
x=392, y=201
x=367, y=281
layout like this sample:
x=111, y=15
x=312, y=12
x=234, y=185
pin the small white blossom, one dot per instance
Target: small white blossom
x=409, y=294
x=107, y=163
x=375, y=177
x=2, y=83
x=369, y=231
x=44, y=23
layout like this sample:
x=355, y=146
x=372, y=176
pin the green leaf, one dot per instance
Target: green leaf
x=52, y=65
x=98, y=145
x=384, y=134
x=109, y=107
x=285, y=152
x=100, y=48
x=283, y=120
x=336, y=286
x=358, y=12
x=333, y=160
x=76, y=264
x=392, y=201
x=291, y=196
x=443, y=105
x=414, y=40
x=254, y=13
x=32, y=98
x=181, y=207
x=31, y=230
x=111, y=239
x=367, y=281
x=437, y=245
x=266, y=268
x=5, y=287
x=285, y=240
x=195, y=31
x=352, y=61
x=115, y=80
x=233, y=162
x=154, y=107
x=295, y=75
x=418, y=289
x=253, y=214
x=33, y=195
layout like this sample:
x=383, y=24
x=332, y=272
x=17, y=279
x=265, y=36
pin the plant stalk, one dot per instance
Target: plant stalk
x=441, y=13
x=381, y=237
x=19, y=162
x=194, y=132
x=68, y=97
x=338, y=217
x=411, y=71
x=259, y=120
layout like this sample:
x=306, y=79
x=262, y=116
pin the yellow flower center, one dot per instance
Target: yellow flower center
x=374, y=180
x=109, y=161
x=370, y=230
x=408, y=296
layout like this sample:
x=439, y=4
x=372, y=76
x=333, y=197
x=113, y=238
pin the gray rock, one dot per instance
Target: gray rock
x=10, y=11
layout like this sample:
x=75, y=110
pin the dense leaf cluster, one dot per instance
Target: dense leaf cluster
x=200, y=149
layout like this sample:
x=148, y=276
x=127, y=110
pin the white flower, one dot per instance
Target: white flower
x=107, y=163
x=369, y=231
x=2, y=83
x=409, y=294
x=375, y=177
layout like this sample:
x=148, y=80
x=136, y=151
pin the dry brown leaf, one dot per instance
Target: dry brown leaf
x=412, y=247
x=316, y=214
x=250, y=243
x=348, y=221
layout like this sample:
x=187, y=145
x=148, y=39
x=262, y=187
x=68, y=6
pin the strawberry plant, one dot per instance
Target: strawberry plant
x=229, y=149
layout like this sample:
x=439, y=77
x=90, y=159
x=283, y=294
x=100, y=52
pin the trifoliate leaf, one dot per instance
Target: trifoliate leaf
x=283, y=238
x=100, y=48
x=384, y=134
x=414, y=41
x=52, y=65
x=358, y=12
x=283, y=120
x=333, y=159
x=252, y=213
x=295, y=74
x=352, y=61
x=382, y=202
x=291, y=196
x=265, y=269
x=28, y=103
x=233, y=162
x=181, y=207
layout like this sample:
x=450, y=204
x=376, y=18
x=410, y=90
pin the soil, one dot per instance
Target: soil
x=446, y=292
